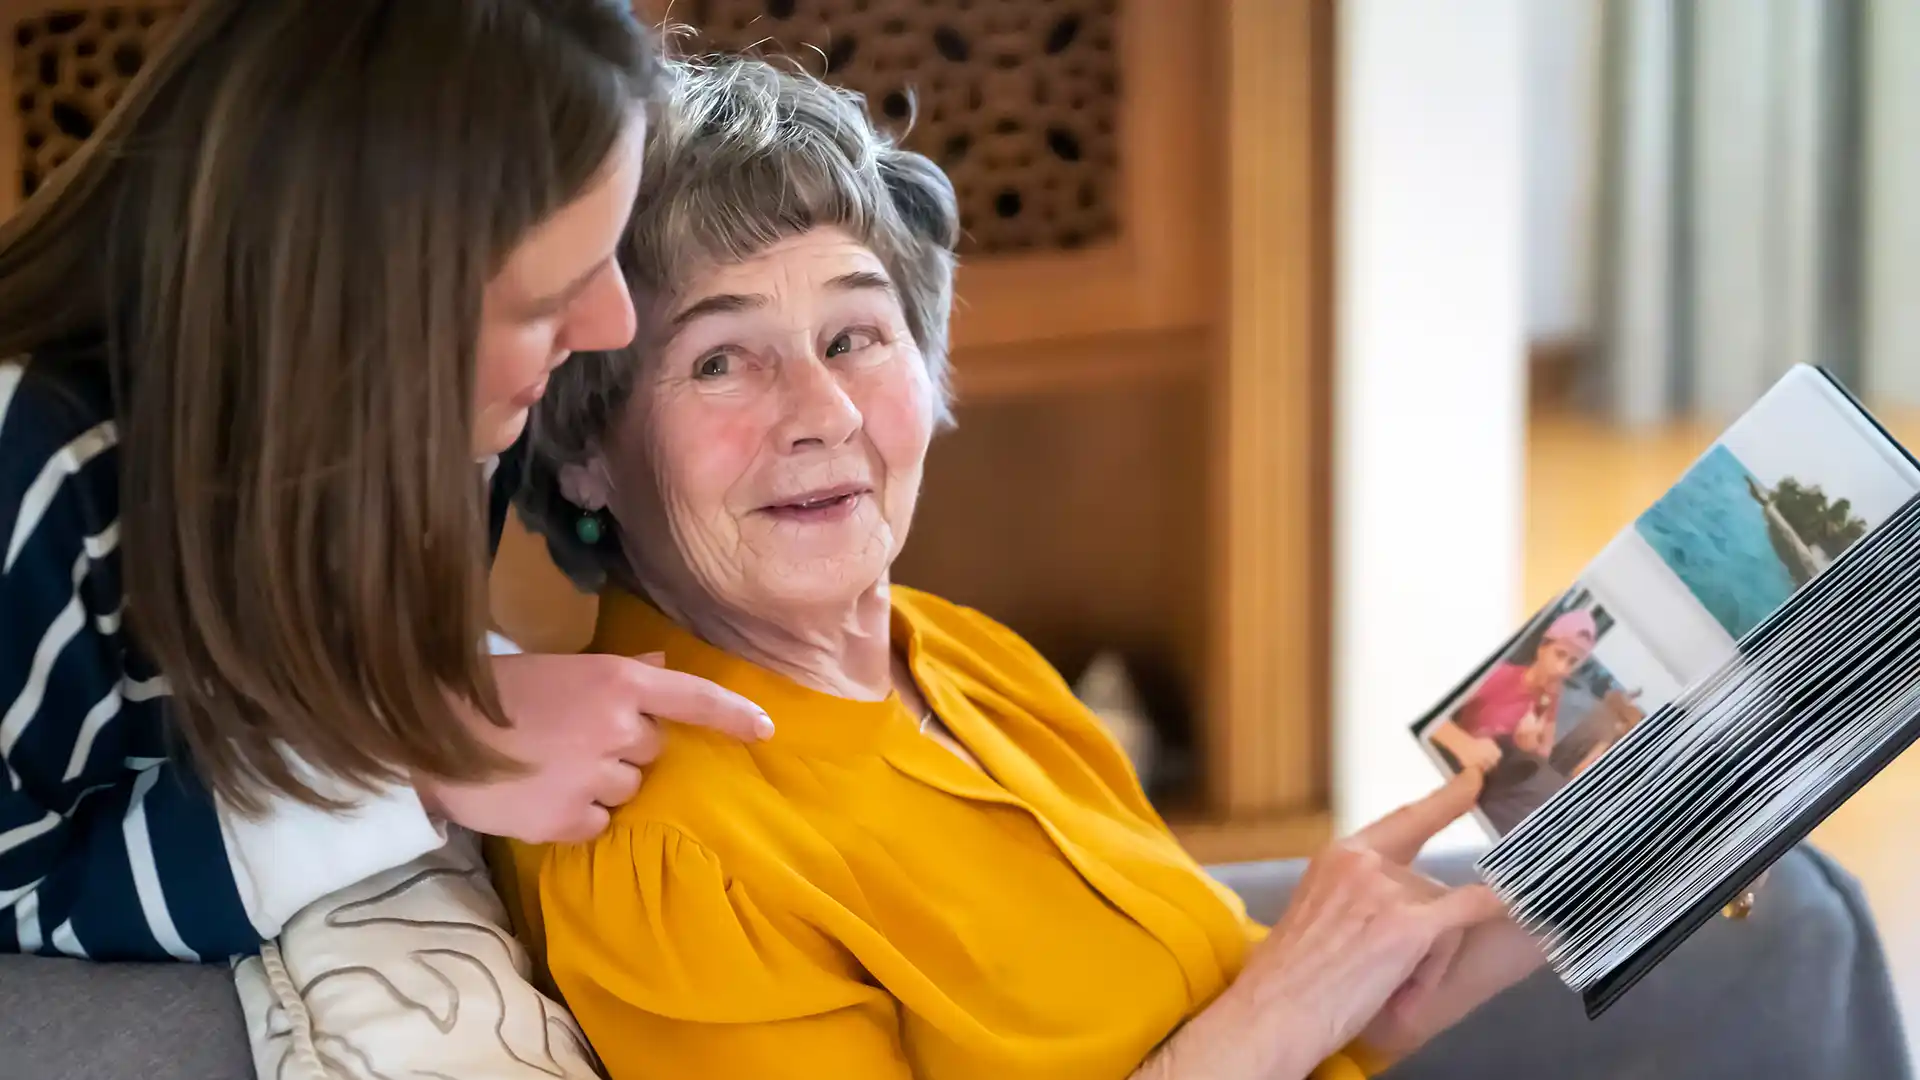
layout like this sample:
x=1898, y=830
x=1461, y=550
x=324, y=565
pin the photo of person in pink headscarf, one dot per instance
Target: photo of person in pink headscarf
x=1539, y=717
x=1519, y=701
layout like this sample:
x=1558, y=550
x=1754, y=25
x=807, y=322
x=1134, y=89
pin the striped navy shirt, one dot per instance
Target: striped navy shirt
x=109, y=847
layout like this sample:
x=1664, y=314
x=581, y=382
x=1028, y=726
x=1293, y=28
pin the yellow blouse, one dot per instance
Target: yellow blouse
x=851, y=899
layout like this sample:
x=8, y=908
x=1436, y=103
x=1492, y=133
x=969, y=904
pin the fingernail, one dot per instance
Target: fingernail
x=657, y=659
x=763, y=727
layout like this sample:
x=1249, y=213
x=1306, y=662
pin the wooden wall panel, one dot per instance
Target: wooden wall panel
x=1080, y=520
x=1270, y=752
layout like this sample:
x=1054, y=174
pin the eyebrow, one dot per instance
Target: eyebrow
x=861, y=280
x=718, y=304
x=730, y=303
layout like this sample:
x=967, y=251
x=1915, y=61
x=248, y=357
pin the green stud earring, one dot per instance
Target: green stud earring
x=587, y=528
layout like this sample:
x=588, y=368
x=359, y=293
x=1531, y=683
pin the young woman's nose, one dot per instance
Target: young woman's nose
x=601, y=317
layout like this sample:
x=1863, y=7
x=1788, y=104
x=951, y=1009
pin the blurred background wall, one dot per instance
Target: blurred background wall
x=1715, y=190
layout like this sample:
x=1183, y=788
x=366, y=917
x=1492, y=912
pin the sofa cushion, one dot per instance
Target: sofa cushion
x=62, y=1019
x=1799, y=989
x=411, y=973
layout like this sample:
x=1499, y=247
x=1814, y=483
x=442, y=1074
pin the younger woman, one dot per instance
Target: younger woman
x=316, y=265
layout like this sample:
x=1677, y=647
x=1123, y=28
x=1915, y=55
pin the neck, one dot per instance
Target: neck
x=844, y=649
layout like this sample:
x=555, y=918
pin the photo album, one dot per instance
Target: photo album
x=1738, y=661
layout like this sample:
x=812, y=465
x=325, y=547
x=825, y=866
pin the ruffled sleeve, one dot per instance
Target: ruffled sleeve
x=674, y=968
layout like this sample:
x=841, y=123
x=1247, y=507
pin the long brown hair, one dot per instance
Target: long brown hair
x=280, y=239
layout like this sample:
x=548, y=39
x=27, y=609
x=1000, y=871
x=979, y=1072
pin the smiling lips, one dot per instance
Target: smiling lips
x=823, y=505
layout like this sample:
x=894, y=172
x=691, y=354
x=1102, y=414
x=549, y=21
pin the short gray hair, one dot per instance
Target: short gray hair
x=743, y=154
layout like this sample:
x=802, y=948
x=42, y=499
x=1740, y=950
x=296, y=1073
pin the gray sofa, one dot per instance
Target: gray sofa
x=1799, y=990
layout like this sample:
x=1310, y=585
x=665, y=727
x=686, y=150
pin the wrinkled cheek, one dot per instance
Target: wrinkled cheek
x=702, y=458
x=897, y=408
x=709, y=465
x=900, y=426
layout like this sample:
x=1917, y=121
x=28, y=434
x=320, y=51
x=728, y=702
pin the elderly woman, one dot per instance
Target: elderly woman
x=940, y=865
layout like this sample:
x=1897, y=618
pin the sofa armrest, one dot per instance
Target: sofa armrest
x=1264, y=887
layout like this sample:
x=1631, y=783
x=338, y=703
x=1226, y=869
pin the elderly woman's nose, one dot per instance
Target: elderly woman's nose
x=602, y=316
x=818, y=409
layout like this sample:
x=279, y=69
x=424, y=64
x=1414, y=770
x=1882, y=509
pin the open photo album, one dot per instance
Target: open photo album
x=1729, y=669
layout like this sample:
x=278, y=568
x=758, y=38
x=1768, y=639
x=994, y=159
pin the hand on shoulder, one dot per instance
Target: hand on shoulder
x=584, y=727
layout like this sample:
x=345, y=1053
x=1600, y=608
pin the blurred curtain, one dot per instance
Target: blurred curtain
x=1733, y=215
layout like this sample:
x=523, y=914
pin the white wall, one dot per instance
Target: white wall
x=1561, y=108
x=1429, y=375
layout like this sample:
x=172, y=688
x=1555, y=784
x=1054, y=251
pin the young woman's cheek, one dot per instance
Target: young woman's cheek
x=510, y=358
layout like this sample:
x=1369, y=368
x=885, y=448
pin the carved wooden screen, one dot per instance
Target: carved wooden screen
x=69, y=68
x=1016, y=99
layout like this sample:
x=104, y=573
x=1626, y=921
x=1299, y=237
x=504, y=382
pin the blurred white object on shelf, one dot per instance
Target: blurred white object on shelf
x=1107, y=689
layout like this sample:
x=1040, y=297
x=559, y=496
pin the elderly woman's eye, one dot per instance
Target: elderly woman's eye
x=712, y=367
x=847, y=341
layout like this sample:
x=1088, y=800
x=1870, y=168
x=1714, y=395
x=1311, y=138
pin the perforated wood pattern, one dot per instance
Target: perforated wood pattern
x=69, y=68
x=1016, y=99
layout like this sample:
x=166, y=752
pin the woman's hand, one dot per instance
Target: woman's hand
x=1368, y=945
x=1464, y=970
x=585, y=727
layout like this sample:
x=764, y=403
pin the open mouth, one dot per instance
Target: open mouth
x=822, y=505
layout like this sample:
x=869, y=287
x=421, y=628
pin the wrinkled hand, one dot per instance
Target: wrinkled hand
x=1367, y=938
x=1462, y=971
x=584, y=726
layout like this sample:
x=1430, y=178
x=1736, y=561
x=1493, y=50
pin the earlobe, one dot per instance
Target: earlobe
x=586, y=484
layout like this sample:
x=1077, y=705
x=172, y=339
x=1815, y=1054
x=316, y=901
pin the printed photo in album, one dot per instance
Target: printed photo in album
x=1783, y=492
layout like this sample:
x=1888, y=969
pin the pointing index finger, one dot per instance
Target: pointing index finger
x=689, y=699
x=1400, y=835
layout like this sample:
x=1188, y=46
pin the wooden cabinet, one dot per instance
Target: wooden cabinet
x=1141, y=339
